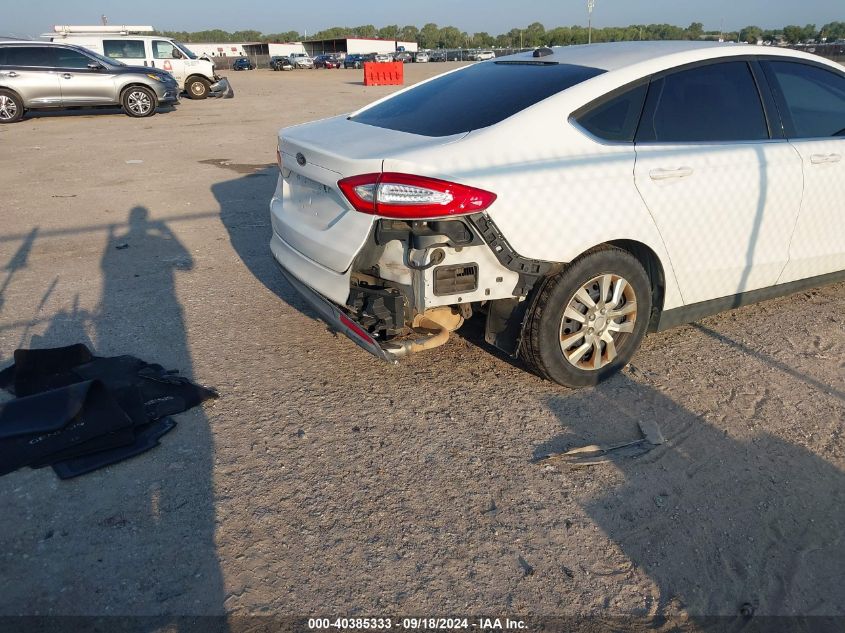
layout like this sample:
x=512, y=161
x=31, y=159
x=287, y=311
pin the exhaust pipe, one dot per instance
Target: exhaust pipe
x=443, y=321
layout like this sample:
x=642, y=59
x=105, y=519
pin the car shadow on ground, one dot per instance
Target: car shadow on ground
x=104, y=111
x=245, y=212
x=142, y=541
x=716, y=522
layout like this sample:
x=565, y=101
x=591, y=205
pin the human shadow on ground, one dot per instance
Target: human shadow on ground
x=715, y=522
x=142, y=544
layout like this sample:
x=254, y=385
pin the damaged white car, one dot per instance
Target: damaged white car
x=574, y=197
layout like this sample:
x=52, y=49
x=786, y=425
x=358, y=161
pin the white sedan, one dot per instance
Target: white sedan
x=574, y=197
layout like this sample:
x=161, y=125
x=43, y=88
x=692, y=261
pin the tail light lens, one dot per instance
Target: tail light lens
x=404, y=196
x=279, y=158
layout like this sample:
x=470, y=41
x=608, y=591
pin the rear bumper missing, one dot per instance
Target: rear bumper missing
x=337, y=320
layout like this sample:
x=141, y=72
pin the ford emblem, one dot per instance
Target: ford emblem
x=300, y=159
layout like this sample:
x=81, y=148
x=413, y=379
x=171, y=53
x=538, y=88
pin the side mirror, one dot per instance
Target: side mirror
x=177, y=54
x=96, y=66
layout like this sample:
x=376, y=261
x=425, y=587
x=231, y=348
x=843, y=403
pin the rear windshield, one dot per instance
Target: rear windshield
x=476, y=97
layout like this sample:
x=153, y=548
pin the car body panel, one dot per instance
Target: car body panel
x=727, y=225
x=728, y=229
x=818, y=243
x=38, y=87
x=86, y=86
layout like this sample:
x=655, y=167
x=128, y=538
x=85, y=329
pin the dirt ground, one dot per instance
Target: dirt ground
x=323, y=482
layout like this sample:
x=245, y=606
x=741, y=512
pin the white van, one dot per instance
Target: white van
x=126, y=44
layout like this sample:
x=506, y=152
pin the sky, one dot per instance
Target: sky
x=33, y=17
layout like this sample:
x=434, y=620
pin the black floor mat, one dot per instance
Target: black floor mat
x=146, y=438
x=78, y=412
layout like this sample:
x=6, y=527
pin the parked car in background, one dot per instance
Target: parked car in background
x=356, y=60
x=242, y=63
x=437, y=56
x=280, y=62
x=403, y=56
x=481, y=56
x=41, y=75
x=326, y=61
x=195, y=75
x=421, y=57
x=677, y=180
x=383, y=58
x=301, y=60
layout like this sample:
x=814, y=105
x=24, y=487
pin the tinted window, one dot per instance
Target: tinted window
x=615, y=119
x=812, y=99
x=126, y=49
x=713, y=103
x=473, y=98
x=69, y=58
x=28, y=56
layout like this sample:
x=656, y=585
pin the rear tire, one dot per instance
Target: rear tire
x=587, y=322
x=198, y=88
x=139, y=102
x=11, y=107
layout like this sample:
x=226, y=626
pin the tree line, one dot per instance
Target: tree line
x=535, y=34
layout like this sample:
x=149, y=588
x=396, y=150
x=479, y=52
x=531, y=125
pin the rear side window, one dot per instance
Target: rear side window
x=714, y=103
x=811, y=99
x=614, y=118
x=29, y=56
x=476, y=97
x=124, y=49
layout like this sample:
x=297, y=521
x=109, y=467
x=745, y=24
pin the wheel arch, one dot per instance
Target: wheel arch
x=655, y=271
x=136, y=84
x=199, y=76
x=12, y=90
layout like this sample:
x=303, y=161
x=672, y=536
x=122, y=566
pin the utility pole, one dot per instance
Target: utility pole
x=590, y=5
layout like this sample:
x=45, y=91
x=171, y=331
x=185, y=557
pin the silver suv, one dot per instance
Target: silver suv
x=35, y=75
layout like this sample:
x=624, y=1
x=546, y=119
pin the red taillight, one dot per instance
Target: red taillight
x=405, y=196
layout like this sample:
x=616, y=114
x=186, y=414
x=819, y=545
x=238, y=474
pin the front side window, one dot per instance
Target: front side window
x=614, y=118
x=164, y=50
x=69, y=58
x=812, y=99
x=34, y=56
x=713, y=103
x=124, y=49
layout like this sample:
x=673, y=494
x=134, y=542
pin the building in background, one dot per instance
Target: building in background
x=258, y=50
x=357, y=45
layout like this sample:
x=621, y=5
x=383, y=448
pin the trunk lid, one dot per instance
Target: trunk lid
x=309, y=212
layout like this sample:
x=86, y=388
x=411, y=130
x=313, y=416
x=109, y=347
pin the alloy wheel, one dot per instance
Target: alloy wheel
x=139, y=102
x=8, y=108
x=597, y=320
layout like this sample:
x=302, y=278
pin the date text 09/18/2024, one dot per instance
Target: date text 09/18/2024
x=415, y=624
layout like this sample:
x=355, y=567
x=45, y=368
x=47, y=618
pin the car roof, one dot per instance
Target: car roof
x=612, y=56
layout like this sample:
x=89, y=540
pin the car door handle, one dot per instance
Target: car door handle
x=11, y=73
x=821, y=159
x=66, y=75
x=665, y=174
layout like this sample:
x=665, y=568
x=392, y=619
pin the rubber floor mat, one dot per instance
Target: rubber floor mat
x=79, y=412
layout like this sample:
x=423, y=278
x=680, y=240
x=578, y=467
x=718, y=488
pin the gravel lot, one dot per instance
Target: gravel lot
x=325, y=483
